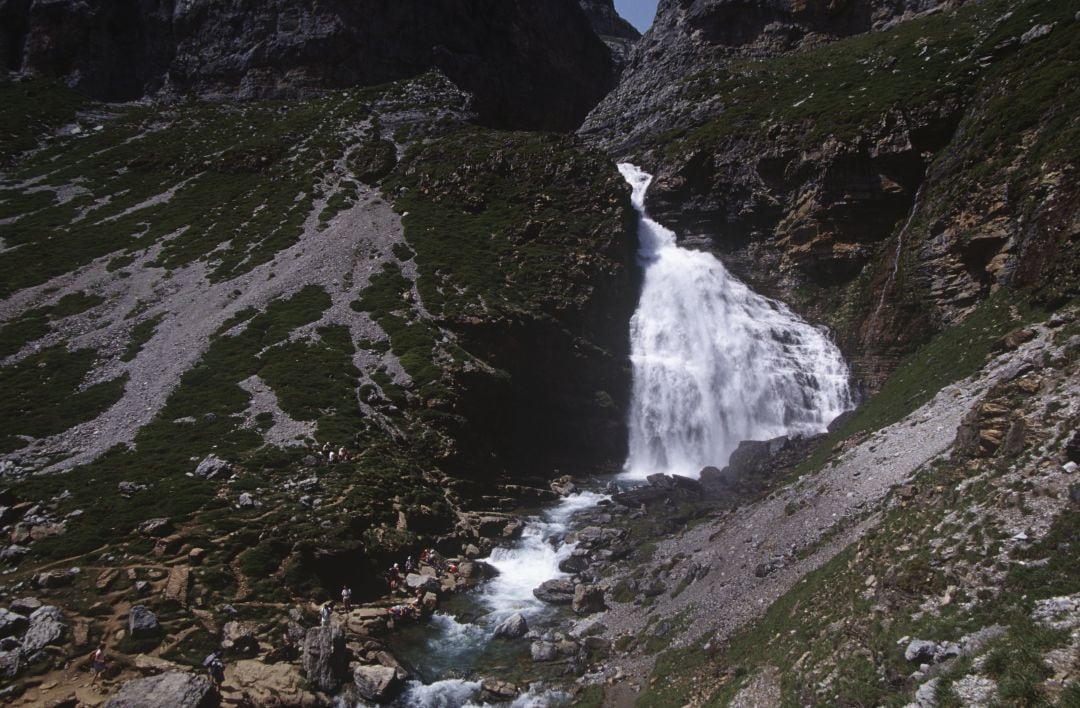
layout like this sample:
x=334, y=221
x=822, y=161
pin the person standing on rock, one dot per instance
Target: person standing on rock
x=326, y=612
x=346, y=598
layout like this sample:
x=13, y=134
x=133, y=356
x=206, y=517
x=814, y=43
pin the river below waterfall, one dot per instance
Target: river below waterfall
x=714, y=364
x=450, y=653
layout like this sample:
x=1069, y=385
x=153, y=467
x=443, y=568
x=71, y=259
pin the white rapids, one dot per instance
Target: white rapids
x=715, y=363
x=452, y=647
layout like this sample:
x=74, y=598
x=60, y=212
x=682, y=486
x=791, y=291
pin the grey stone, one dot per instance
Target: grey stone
x=946, y=651
x=142, y=622
x=174, y=689
x=543, y=651
x=378, y=683
x=588, y=599
x=54, y=578
x=13, y=554
x=310, y=485
x=239, y=638
x=975, y=690
x=156, y=528
x=920, y=650
x=25, y=605
x=498, y=691
x=926, y=695
x=12, y=623
x=10, y=664
x=213, y=467
x=555, y=592
x=46, y=629
x=325, y=659
x=128, y=489
x=512, y=627
x=427, y=583
x=246, y=501
x=1036, y=32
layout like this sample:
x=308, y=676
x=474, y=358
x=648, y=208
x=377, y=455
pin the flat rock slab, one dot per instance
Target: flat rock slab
x=278, y=684
x=170, y=690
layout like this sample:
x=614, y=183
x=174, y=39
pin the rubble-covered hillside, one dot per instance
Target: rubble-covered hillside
x=254, y=351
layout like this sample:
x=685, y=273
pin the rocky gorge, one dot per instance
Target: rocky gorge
x=292, y=294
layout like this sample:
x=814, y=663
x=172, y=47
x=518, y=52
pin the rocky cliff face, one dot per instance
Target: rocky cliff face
x=619, y=35
x=535, y=65
x=688, y=36
x=883, y=182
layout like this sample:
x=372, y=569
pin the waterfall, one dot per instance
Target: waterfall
x=872, y=324
x=714, y=363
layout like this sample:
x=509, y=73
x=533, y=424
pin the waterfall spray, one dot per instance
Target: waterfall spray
x=714, y=363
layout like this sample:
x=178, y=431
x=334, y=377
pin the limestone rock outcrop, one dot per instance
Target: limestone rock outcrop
x=536, y=65
x=325, y=659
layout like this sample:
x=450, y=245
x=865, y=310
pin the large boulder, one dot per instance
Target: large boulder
x=46, y=629
x=54, y=579
x=512, y=627
x=10, y=664
x=555, y=592
x=213, y=467
x=325, y=658
x=142, y=623
x=427, y=583
x=588, y=599
x=380, y=684
x=920, y=650
x=12, y=623
x=170, y=690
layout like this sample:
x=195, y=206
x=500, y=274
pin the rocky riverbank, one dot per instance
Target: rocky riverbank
x=687, y=580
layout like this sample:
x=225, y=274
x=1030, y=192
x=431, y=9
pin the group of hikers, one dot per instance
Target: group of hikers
x=328, y=453
x=395, y=579
x=429, y=556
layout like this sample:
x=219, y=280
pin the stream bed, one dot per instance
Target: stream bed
x=448, y=655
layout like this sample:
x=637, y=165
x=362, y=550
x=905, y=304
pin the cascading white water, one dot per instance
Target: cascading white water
x=532, y=560
x=714, y=363
x=451, y=646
